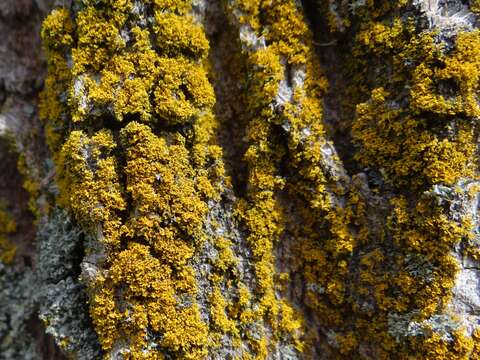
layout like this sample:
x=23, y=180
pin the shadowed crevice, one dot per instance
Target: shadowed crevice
x=229, y=69
x=333, y=52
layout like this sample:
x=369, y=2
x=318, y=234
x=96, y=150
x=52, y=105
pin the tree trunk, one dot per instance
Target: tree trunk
x=235, y=179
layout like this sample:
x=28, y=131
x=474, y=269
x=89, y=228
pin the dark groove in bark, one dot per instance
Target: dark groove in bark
x=333, y=53
x=228, y=70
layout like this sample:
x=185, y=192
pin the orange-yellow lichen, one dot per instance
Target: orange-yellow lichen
x=89, y=183
x=179, y=35
x=415, y=156
x=475, y=6
x=57, y=29
x=141, y=190
x=289, y=48
x=128, y=115
x=160, y=183
x=7, y=227
x=151, y=304
x=416, y=135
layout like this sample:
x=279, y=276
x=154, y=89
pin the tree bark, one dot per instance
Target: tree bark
x=239, y=179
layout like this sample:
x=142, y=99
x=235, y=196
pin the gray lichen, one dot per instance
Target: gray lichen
x=405, y=326
x=17, y=298
x=63, y=300
x=51, y=292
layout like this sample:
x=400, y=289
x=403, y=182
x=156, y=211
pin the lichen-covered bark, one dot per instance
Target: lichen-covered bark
x=241, y=179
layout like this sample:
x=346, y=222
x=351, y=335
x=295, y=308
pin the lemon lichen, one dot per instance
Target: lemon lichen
x=141, y=188
x=7, y=227
x=128, y=108
x=418, y=133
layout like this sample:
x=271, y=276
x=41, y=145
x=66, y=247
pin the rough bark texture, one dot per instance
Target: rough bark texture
x=239, y=179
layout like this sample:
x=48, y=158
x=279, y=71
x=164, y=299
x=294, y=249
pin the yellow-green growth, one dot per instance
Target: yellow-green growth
x=140, y=188
x=475, y=6
x=128, y=112
x=416, y=135
x=290, y=48
x=87, y=174
x=7, y=227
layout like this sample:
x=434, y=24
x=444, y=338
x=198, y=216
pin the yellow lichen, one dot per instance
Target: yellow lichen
x=7, y=227
x=128, y=112
x=475, y=6
x=179, y=35
x=89, y=183
x=416, y=135
x=141, y=191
